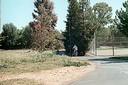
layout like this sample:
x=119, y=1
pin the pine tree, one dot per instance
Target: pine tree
x=43, y=25
x=80, y=26
x=122, y=19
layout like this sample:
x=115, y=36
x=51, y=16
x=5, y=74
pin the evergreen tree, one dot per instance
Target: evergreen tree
x=80, y=26
x=71, y=33
x=43, y=26
x=122, y=19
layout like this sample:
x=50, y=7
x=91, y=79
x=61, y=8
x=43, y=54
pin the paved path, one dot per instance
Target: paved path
x=110, y=72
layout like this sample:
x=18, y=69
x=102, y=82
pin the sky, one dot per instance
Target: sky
x=19, y=12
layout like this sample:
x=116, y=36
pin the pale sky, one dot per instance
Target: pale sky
x=19, y=12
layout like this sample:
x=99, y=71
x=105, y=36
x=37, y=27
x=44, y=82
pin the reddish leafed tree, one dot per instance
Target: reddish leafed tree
x=43, y=25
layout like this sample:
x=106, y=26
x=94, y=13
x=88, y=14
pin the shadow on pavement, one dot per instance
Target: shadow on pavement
x=108, y=60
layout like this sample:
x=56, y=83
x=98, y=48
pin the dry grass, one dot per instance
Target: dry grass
x=20, y=61
x=17, y=61
x=19, y=82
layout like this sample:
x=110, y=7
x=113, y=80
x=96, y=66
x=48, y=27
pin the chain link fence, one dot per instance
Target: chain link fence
x=111, y=46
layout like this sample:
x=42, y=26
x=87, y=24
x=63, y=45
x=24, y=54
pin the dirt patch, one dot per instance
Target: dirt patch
x=56, y=76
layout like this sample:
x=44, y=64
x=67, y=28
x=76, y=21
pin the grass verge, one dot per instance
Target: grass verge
x=120, y=57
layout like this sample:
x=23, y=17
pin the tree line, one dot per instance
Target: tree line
x=83, y=22
x=13, y=38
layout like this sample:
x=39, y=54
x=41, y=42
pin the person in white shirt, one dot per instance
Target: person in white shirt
x=75, y=50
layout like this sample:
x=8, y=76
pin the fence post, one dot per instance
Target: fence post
x=113, y=43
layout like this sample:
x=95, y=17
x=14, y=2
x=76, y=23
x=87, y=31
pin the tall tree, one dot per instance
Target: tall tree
x=42, y=27
x=71, y=33
x=104, y=17
x=80, y=26
x=122, y=19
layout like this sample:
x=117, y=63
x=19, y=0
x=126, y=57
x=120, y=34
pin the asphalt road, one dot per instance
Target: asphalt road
x=109, y=72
